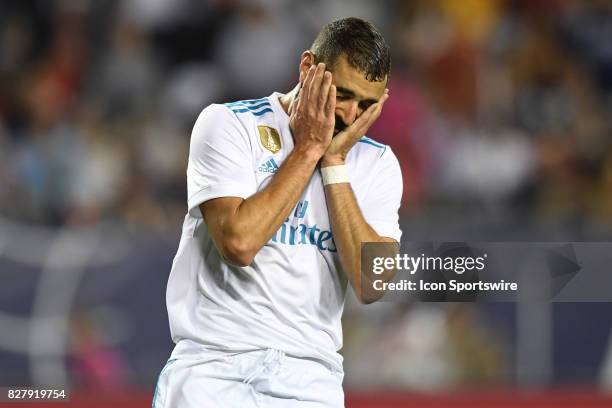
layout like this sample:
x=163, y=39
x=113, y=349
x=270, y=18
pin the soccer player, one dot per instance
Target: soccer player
x=282, y=191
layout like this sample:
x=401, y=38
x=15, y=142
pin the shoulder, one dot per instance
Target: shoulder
x=222, y=120
x=217, y=125
x=250, y=108
x=368, y=151
x=375, y=160
x=244, y=112
x=371, y=146
x=214, y=116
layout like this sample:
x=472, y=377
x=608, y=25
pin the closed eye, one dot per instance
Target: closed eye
x=365, y=105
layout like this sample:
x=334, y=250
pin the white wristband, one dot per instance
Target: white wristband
x=334, y=174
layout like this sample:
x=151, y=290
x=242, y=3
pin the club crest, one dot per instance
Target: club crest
x=269, y=138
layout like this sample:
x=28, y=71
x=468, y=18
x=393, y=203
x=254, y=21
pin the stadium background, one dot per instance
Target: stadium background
x=499, y=114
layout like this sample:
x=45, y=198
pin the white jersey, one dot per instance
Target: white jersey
x=292, y=295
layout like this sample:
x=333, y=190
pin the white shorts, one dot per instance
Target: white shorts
x=263, y=378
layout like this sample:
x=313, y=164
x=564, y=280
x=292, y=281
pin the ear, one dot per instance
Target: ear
x=307, y=60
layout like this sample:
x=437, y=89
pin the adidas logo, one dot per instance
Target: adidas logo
x=269, y=166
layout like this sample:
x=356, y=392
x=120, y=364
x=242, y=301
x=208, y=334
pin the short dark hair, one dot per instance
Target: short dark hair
x=362, y=44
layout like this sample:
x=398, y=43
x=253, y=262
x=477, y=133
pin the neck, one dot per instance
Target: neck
x=288, y=101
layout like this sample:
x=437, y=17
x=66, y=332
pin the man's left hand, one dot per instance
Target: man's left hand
x=342, y=143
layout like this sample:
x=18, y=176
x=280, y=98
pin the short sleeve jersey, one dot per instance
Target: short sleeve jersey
x=292, y=295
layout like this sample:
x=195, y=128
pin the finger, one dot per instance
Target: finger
x=367, y=114
x=305, y=87
x=379, y=108
x=367, y=118
x=384, y=98
x=315, y=86
x=330, y=106
x=296, y=100
x=325, y=87
x=361, y=125
x=373, y=111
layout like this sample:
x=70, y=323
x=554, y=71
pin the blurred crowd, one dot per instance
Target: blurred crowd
x=498, y=108
x=501, y=108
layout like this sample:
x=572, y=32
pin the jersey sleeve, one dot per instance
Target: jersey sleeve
x=220, y=159
x=383, y=199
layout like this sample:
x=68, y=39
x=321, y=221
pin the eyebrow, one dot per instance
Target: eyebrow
x=352, y=94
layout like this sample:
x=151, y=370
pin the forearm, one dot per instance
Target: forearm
x=349, y=226
x=262, y=214
x=350, y=230
x=240, y=228
x=247, y=229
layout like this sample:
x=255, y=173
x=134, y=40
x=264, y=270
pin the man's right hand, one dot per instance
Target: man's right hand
x=312, y=121
x=241, y=227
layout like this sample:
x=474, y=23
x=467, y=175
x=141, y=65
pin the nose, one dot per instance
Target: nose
x=349, y=112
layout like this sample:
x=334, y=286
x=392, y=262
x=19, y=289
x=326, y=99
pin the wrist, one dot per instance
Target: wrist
x=334, y=175
x=332, y=160
x=309, y=154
